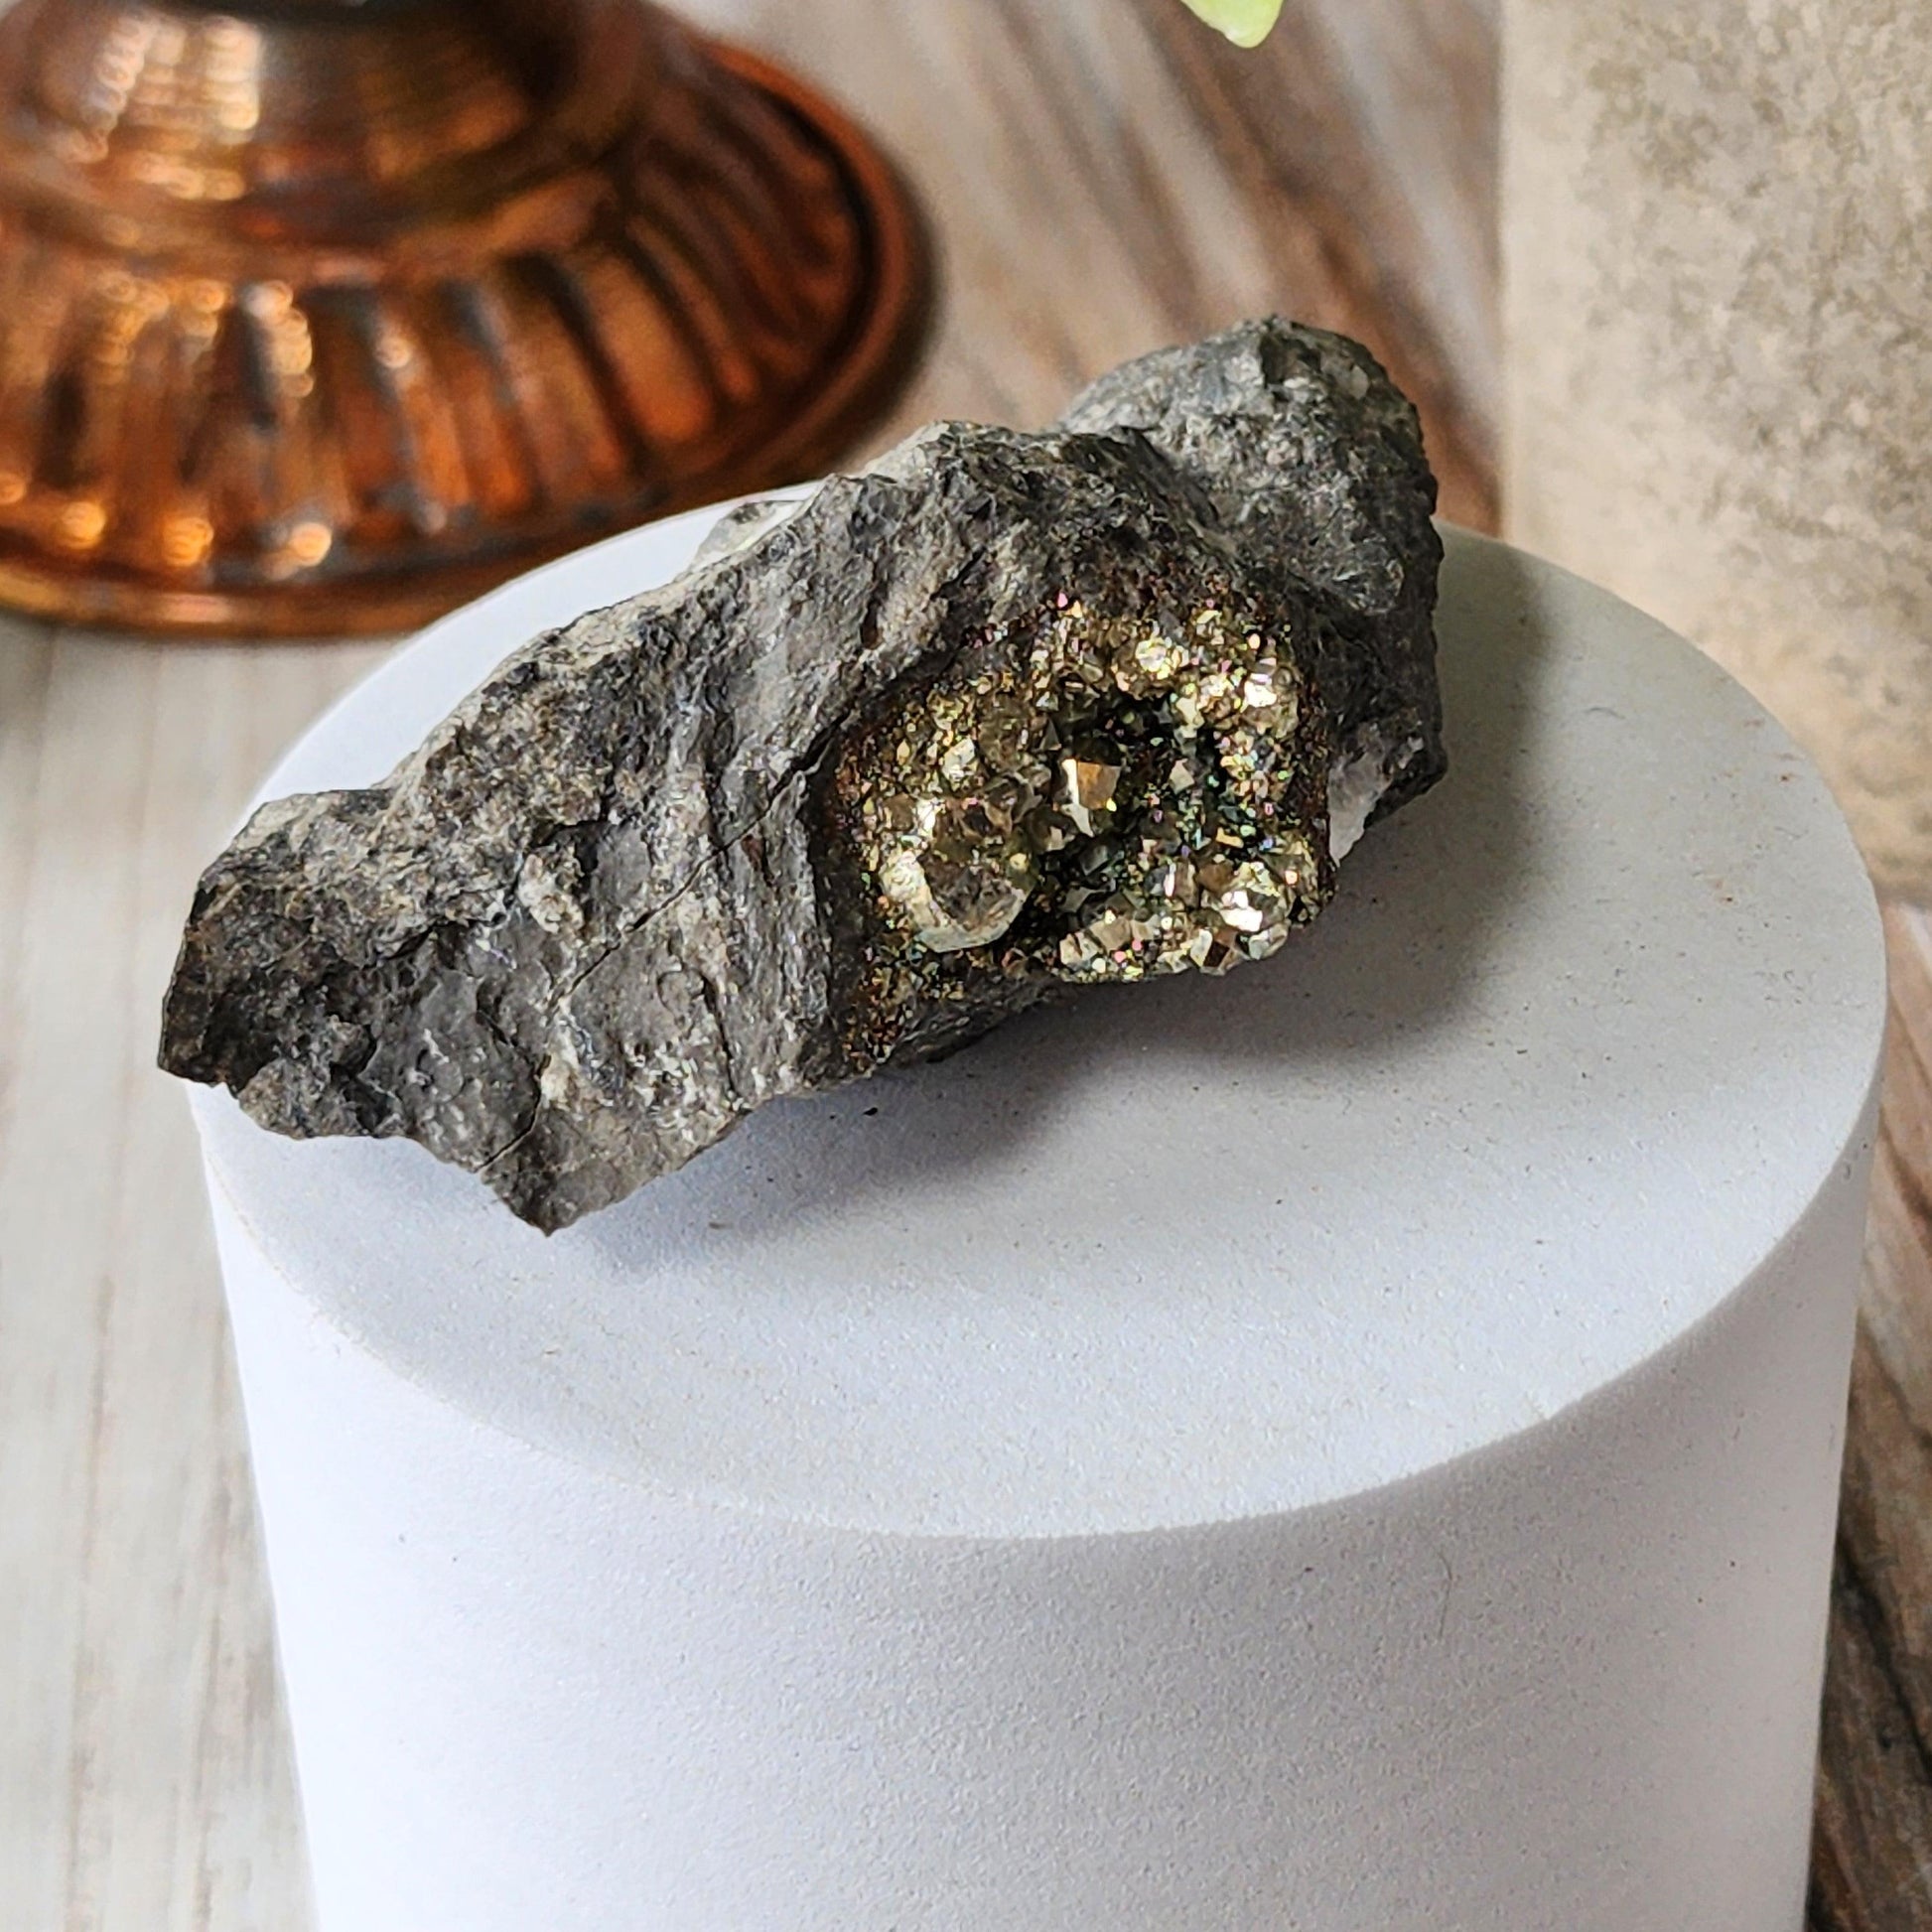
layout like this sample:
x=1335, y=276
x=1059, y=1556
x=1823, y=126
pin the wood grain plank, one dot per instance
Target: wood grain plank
x=1421, y=81
x=1872, y=1856
x=1357, y=253
x=41, y=1458
x=146, y=1779
x=1106, y=176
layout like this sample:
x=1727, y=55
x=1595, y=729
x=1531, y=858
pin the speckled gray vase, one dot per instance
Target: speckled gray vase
x=1718, y=237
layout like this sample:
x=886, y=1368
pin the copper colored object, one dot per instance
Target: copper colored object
x=323, y=316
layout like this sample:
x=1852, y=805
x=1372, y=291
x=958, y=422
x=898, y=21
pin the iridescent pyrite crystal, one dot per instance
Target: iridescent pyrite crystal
x=1003, y=713
x=1112, y=796
x=1147, y=786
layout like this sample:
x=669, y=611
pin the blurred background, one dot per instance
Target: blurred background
x=1097, y=178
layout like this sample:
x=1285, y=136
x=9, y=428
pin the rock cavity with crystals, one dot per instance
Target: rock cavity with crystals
x=1001, y=713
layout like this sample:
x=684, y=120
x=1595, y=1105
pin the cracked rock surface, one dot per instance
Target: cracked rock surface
x=1002, y=712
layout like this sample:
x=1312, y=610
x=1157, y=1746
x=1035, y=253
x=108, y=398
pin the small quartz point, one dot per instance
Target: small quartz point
x=1002, y=712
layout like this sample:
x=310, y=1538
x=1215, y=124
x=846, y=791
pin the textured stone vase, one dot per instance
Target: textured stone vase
x=1717, y=233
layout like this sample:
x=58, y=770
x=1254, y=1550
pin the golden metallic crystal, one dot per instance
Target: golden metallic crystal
x=1131, y=795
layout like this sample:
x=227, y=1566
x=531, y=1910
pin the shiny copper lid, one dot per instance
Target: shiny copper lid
x=321, y=317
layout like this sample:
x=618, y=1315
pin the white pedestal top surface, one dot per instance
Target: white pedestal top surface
x=1581, y=1031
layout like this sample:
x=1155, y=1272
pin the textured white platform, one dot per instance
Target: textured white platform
x=1350, y=1447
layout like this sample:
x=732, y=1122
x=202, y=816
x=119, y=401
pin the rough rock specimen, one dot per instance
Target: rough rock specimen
x=882, y=768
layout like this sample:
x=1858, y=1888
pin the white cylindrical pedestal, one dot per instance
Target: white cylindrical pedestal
x=1349, y=1447
x=1716, y=226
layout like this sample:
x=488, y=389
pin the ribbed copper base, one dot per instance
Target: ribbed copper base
x=323, y=319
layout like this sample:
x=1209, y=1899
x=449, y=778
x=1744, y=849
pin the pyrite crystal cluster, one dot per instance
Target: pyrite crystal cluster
x=1002, y=712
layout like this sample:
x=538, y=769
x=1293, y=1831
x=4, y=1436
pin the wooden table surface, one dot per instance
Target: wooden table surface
x=1103, y=176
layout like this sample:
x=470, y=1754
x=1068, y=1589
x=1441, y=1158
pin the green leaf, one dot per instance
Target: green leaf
x=1245, y=22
